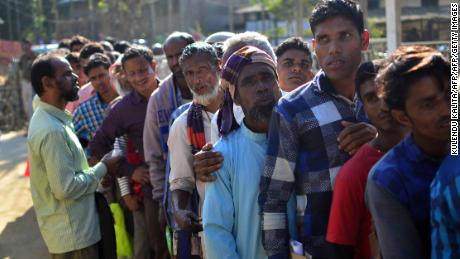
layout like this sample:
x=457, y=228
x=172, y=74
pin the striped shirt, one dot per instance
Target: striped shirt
x=303, y=157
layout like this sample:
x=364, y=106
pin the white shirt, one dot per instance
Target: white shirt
x=182, y=176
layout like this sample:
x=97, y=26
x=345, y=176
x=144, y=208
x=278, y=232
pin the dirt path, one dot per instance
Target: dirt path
x=19, y=234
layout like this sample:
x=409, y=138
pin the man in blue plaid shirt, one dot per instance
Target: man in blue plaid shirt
x=313, y=132
x=89, y=115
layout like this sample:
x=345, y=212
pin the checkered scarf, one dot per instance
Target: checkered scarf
x=236, y=62
x=195, y=127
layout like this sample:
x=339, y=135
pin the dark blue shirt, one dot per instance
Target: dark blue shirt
x=445, y=210
x=406, y=173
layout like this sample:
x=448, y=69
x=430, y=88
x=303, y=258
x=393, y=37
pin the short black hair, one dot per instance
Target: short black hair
x=72, y=57
x=41, y=67
x=366, y=71
x=137, y=51
x=95, y=61
x=407, y=65
x=64, y=44
x=121, y=46
x=89, y=49
x=78, y=40
x=293, y=43
x=332, y=8
x=199, y=48
x=186, y=37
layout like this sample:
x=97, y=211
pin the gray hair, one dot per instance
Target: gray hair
x=250, y=38
x=199, y=48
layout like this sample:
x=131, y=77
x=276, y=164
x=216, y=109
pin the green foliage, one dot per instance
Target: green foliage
x=374, y=30
x=103, y=6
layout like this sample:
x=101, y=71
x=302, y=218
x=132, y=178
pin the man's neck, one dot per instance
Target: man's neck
x=215, y=103
x=432, y=148
x=53, y=101
x=108, y=98
x=386, y=140
x=255, y=126
x=345, y=88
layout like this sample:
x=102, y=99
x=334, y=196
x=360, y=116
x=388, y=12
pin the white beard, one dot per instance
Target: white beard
x=205, y=99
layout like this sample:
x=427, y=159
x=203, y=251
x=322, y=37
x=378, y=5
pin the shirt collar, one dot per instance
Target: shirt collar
x=323, y=84
x=414, y=153
x=256, y=137
x=63, y=115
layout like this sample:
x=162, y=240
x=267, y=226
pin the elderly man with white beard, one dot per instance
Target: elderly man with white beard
x=190, y=132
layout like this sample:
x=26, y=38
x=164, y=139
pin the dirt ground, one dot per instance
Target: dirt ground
x=19, y=234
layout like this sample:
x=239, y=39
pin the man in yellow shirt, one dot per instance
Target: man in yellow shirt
x=62, y=183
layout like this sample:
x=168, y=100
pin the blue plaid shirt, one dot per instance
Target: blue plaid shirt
x=445, y=215
x=89, y=116
x=406, y=173
x=303, y=156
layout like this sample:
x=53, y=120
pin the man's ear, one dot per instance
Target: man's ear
x=365, y=40
x=313, y=43
x=47, y=82
x=401, y=117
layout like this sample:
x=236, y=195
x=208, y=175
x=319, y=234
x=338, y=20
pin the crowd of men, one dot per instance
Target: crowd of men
x=242, y=151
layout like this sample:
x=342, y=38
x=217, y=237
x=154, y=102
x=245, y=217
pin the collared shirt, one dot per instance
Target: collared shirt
x=445, y=217
x=89, y=116
x=161, y=104
x=402, y=177
x=61, y=182
x=304, y=157
x=231, y=217
x=126, y=117
x=182, y=176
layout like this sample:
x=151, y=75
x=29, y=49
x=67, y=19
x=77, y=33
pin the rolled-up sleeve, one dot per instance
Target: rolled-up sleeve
x=181, y=176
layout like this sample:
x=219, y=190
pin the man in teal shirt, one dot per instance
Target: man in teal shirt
x=61, y=182
x=231, y=217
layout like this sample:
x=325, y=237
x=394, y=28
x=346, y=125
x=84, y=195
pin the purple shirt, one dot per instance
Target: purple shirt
x=126, y=117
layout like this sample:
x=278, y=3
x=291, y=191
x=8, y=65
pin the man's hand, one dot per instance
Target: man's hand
x=354, y=135
x=132, y=202
x=106, y=181
x=188, y=221
x=207, y=162
x=141, y=175
x=92, y=161
x=111, y=162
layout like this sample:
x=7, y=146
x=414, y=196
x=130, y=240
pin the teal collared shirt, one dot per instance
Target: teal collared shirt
x=61, y=182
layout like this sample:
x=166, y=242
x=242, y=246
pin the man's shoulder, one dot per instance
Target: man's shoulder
x=180, y=123
x=388, y=170
x=360, y=164
x=228, y=144
x=43, y=124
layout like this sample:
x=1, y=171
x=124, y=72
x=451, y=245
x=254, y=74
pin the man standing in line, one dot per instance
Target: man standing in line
x=172, y=93
x=62, y=183
x=313, y=132
x=190, y=132
x=416, y=90
x=350, y=223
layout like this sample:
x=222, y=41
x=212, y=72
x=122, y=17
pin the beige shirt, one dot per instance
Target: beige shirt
x=182, y=176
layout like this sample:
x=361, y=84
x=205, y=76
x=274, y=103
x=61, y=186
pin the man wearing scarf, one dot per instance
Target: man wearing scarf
x=188, y=134
x=230, y=212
